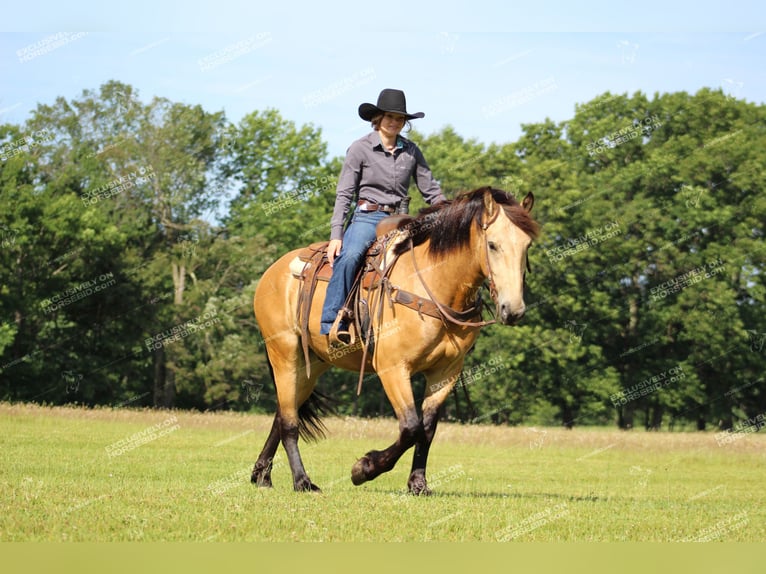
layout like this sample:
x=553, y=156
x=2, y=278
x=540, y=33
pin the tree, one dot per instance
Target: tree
x=653, y=168
x=286, y=185
x=128, y=183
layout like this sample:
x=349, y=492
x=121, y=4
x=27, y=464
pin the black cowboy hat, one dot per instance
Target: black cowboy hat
x=388, y=101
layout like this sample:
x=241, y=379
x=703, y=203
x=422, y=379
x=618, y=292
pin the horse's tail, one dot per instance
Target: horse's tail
x=310, y=413
x=311, y=428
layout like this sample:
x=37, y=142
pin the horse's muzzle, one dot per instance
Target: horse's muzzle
x=509, y=315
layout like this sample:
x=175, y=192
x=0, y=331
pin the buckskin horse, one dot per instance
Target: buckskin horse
x=426, y=317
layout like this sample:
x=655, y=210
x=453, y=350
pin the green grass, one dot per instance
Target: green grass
x=58, y=483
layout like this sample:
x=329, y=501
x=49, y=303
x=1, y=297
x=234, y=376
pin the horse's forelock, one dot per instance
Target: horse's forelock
x=520, y=218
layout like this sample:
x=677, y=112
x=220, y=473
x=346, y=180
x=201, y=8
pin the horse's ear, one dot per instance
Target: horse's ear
x=489, y=205
x=528, y=202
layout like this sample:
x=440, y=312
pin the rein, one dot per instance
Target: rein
x=450, y=314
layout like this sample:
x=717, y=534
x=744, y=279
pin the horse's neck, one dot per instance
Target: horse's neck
x=455, y=279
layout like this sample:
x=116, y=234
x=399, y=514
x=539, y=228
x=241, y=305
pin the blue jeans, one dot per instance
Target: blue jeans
x=358, y=237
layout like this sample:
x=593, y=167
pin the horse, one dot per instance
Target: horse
x=451, y=250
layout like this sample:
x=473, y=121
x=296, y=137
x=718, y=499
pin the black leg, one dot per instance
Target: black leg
x=377, y=462
x=417, y=482
x=262, y=470
x=301, y=481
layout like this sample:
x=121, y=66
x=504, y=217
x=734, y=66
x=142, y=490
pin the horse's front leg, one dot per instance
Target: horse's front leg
x=437, y=391
x=377, y=462
x=396, y=383
x=417, y=484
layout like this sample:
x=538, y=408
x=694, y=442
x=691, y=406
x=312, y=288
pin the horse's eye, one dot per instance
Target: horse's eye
x=492, y=246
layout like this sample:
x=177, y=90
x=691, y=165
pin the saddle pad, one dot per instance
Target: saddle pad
x=297, y=265
x=298, y=269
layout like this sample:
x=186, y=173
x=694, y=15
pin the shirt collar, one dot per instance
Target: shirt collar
x=374, y=139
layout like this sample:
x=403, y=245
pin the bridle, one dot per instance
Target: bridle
x=448, y=313
x=491, y=276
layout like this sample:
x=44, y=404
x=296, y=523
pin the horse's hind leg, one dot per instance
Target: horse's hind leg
x=293, y=389
x=262, y=470
x=301, y=480
x=286, y=430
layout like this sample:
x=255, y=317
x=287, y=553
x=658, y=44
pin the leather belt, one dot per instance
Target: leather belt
x=369, y=206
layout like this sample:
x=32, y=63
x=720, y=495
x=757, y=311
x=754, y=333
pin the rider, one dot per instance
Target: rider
x=377, y=172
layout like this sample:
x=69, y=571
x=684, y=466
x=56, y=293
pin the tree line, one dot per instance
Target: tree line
x=132, y=236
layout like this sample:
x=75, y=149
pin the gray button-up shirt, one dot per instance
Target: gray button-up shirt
x=374, y=174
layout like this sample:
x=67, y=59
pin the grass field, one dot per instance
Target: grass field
x=71, y=474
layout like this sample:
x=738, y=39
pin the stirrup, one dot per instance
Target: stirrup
x=338, y=337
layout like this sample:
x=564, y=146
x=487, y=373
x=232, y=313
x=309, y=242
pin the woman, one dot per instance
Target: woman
x=377, y=173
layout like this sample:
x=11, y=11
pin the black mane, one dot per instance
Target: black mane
x=448, y=224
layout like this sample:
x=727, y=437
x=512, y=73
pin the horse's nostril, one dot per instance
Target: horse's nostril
x=509, y=316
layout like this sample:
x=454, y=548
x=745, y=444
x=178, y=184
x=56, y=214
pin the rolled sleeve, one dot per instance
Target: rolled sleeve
x=424, y=180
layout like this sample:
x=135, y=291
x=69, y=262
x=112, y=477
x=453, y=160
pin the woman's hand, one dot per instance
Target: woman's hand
x=333, y=250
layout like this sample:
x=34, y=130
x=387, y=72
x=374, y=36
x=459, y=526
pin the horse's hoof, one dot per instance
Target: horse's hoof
x=360, y=471
x=417, y=486
x=263, y=481
x=306, y=486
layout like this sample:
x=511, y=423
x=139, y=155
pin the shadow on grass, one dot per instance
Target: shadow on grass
x=454, y=494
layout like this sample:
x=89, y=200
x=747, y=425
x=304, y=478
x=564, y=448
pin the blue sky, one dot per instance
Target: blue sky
x=484, y=68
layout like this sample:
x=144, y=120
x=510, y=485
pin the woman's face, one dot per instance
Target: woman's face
x=391, y=124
